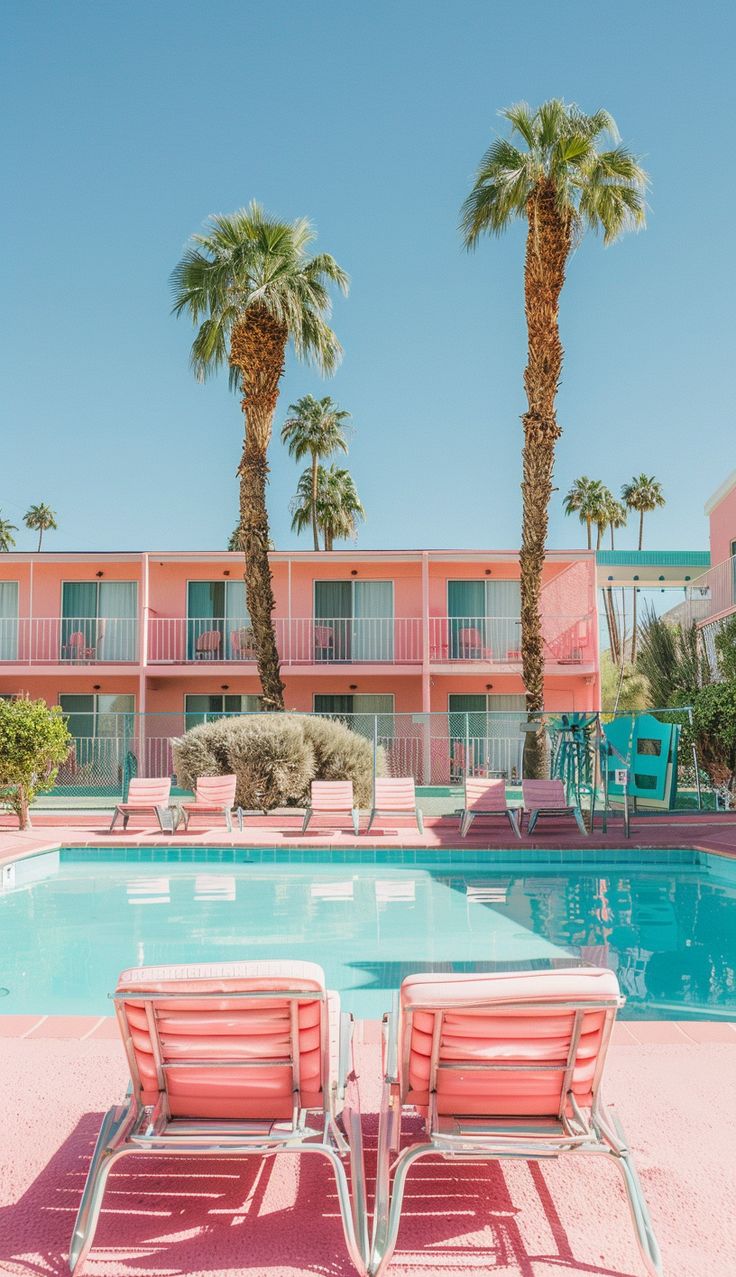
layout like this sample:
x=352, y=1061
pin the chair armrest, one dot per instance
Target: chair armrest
x=345, y=1059
x=391, y=1042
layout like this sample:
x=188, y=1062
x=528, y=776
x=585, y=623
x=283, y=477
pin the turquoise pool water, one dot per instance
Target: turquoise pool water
x=71, y=920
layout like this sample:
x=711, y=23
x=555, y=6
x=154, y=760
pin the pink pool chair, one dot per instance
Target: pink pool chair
x=333, y=799
x=214, y=796
x=395, y=796
x=207, y=646
x=233, y=1059
x=500, y=1065
x=485, y=797
x=547, y=798
x=145, y=797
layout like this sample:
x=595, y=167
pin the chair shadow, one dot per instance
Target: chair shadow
x=449, y=1210
x=187, y=1215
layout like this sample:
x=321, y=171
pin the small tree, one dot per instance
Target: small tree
x=34, y=741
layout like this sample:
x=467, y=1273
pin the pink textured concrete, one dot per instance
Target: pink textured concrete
x=52, y=829
x=220, y=1218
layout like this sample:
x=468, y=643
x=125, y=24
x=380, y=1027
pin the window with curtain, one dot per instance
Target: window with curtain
x=485, y=733
x=354, y=620
x=199, y=708
x=99, y=620
x=484, y=619
x=8, y=620
x=92, y=716
x=218, y=624
x=359, y=711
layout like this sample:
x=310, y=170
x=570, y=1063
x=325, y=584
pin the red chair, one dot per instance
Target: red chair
x=76, y=647
x=324, y=642
x=207, y=647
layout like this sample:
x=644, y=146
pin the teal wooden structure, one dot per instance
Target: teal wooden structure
x=649, y=748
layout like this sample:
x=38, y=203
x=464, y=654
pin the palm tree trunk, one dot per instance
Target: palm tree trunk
x=633, y=616
x=547, y=247
x=613, y=631
x=257, y=349
x=315, y=525
x=40, y=539
x=589, y=530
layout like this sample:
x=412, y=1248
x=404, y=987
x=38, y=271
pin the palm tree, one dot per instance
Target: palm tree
x=338, y=505
x=316, y=430
x=586, y=498
x=7, y=540
x=616, y=516
x=643, y=493
x=40, y=518
x=251, y=286
x=561, y=181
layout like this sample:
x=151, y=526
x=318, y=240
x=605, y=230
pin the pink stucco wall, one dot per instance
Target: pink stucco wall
x=723, y=527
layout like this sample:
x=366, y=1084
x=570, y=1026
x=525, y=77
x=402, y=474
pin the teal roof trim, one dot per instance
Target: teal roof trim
x=653, y=558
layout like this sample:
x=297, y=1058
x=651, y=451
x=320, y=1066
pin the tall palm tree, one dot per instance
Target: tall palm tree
x=315, y=430
x=561, y=180
x=586, y=498
x=642, y=493
x=40, y=518
x=7, y=540
x=616, y=516
x=339, y=507
x=252, y=287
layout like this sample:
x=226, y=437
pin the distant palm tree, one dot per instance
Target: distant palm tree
x=40, y=519
x=252, y=288
x=587, y=499
x=617, y=515
x=315, y=430
x=560, y=181
x=338, y=505
x=644, y=494
x=7, y=540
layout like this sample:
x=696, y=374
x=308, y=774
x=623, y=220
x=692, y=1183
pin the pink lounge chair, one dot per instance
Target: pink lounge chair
x=500, y=1065
x=547, y=798
x=215, y=795
x=233, y=1059
x=395, y=796
x=145, y=797
x=207, y=646
x=485, y=797
x=333, y=798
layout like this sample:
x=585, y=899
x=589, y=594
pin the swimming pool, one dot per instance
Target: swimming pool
x=666, y=922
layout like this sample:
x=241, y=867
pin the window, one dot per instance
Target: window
x=485, y=734
x=354, y=620
x=218, y=624
x=92, y=717
x=200, y=709
x=8, y=620
x=484, y=620
x=99, y=620
x=359, y=712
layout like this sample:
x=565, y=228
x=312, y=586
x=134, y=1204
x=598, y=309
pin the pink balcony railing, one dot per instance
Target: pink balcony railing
x=68, y=640
x=568, y=640
x=301, y=641
x=713, y=593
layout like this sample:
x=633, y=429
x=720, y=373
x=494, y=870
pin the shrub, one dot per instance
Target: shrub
x=34, y=741
x=714, y=724
x=275, y=757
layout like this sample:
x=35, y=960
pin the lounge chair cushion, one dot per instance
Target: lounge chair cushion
x=490, y=1033
x=220, y=1028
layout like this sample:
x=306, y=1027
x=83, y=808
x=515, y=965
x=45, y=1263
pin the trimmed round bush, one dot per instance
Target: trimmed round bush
x=276, y=757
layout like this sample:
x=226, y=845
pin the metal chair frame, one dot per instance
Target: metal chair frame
x=488, y=1138
x=334, y=1131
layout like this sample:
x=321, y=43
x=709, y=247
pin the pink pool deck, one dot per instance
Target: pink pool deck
x=670, y=1083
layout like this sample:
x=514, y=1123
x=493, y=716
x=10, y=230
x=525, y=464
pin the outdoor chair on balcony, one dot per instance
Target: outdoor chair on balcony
x=333, y=799
x=234, y=1059
x=207, y=646
x=470, y=645
x=214, y=796
x=242, y=645
x=77, y=648
x=324, y=643
x=501, y=1065
x=395, y=796
x=145, y=797
x=485, y=797
x=547, y=798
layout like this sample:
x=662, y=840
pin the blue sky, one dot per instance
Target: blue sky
x=133, y=121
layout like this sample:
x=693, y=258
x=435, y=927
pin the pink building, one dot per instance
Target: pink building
x=713, y=595
x=389, y=633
